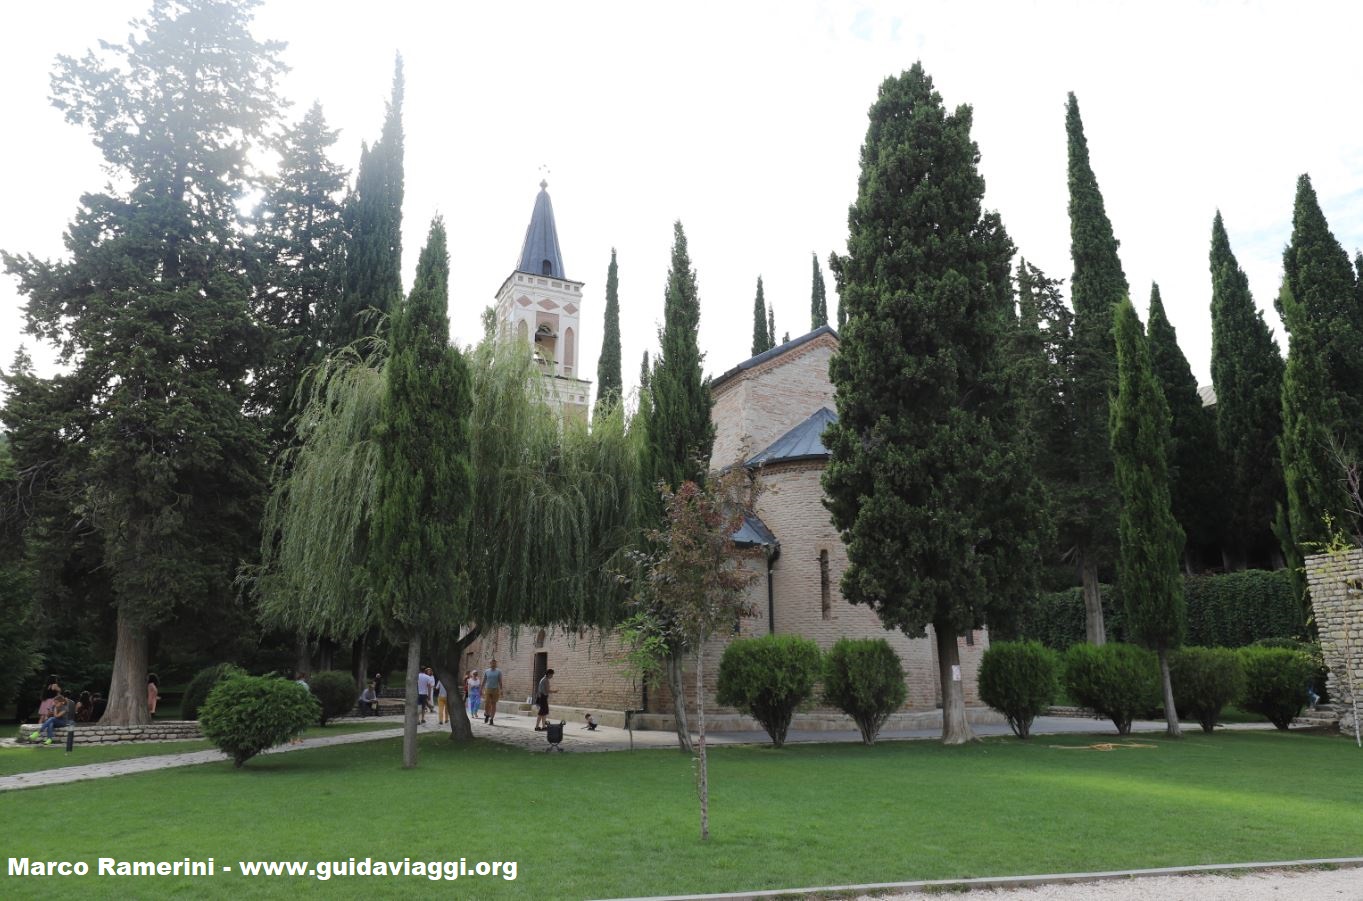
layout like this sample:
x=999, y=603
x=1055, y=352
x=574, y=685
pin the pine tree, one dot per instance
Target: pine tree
x=299, y=232
x=1098, y=285
x=609, y=382
x=761, y=338
x=925, y=415
x=151, y=313
x=1247, y=375
x=424, y=483
x=818, y=304
x=1151, y=540
x=1194, y=461
x=1322, y=398
x=373, y=260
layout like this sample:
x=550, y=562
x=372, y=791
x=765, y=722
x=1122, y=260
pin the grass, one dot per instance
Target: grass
x=30, y=758
x=622, y=824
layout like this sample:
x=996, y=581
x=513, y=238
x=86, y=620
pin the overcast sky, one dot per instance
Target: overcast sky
x=744, y=121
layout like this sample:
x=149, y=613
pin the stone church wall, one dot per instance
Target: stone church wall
x=1336, y=587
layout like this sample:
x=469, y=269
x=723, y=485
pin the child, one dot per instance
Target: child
x=591, y=723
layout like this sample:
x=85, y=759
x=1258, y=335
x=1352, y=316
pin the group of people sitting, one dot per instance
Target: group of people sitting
x=58, y=710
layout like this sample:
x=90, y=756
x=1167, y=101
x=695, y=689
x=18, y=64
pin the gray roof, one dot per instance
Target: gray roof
x=754, y=532
x=1207, y=394
x=540, y=254
x=774, y=352
x=804, y=442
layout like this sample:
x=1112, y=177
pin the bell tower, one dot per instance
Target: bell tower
x=540, y=305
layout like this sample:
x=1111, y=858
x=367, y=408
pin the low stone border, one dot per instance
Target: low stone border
x=95, y=734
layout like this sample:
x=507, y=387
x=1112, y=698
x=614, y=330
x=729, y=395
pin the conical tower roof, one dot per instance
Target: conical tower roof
x=540, y=254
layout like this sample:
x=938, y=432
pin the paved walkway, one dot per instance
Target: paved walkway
x=518, y=730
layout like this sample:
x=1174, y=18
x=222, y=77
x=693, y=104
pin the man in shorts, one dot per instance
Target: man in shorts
x=542, y=692
x=425, y=687
x=492, y=692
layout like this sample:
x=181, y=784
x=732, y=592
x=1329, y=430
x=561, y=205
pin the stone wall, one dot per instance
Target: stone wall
x=1336, y=586
x=94, y=733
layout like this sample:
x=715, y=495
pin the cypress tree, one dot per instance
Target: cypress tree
x=609, y=382
x=1151, y=540
x=926, y=418
x=1322, y=399
x=423, y=482
x=1247, y=374
x=373, y=260
x=645, y=372
x=818, y=304
x=1098, y=285
x=761, y=338
x=842, y=308
x=1195, y=467
x=771, y=327
x=679, y=429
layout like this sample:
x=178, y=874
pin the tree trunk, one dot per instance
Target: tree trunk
x=702, y=771
x=1170, y=711
x=361, y=657
x=303, y=662
x=128, y=686
x=410, y=706
x=460, y=727
x=1094, y=630
x=326, y=654
x=678, y=689
x=955, y=729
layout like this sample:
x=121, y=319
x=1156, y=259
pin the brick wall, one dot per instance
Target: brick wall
x=757, y=406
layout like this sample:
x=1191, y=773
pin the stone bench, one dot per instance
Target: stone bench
x=96, y=733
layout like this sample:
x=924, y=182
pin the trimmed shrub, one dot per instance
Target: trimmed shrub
x=1019, y=679
x=245, y=715
x=202, y=683
x=768, y=677
x=1275, y=682
x=335, y=691
x=1235, y=609
x=864, y=678
x=1321, y=679
x=1118, y=681
x=1205, y=680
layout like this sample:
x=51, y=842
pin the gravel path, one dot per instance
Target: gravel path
x=1344, y=884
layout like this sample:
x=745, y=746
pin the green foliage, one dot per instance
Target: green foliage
x=925, y=412
x=609, y=383
x=680, y=433
x=1020, y=680
x=373, y=222
x=1247, y=373
x=203, y=683
x=1240, y=608
x=1275, y=682
x=768, y=677
x=818, y=297
x=864, y=678
x=1097, y=286
x=1206, y=680
x=1118, y=681
x=1322, y=398
x=761, y=338
x=335, y=693
x=19, y=623
x=1056, y=618
x=245, y=715
x=1151, y=540
x=1196, y=473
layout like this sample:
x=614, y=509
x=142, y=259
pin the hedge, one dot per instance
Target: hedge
x=1229, y=610
x=768, y=677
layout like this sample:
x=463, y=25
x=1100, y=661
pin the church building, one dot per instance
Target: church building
x=769, y=412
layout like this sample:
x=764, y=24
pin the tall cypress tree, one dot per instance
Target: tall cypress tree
x=771, y=327
x=818, y=301
x=1194, y=462
x=151, y=313
x=926, y=417
x=1247, y=374
x=1151, y=540
x=609, y=382
x=1322, y=398
x=679, y=429
x=1098, y=285
x=424, y=481
x=761, y=338
x=373, y=260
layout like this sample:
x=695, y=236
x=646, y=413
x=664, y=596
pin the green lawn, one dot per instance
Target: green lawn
x=27, y=758
x=603, y=825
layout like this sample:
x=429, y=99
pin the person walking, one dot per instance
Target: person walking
x=442, y=703
x=153, y=692
x=425, y=686
x=474, y=691
x=542, y=691
x=492, y=692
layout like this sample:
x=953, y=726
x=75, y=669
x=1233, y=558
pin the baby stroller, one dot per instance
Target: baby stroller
x=554, y=732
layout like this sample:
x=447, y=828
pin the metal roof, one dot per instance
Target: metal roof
x=804, y=442
x=774, y=352
x=754, y=533
x=540, y=254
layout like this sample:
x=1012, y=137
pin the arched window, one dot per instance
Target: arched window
x=523, y=331
x=569, y=351
x=547, y=267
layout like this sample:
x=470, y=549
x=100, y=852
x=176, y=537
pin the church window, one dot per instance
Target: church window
x=523, y=331
x=825, y=589
x=569, y=356
x=546, y=268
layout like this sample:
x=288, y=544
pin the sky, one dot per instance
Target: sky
x=745, y=120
